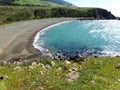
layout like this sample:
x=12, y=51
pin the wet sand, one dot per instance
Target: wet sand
x=16, y=39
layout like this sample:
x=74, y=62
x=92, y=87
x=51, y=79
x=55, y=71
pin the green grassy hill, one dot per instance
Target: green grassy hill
x=42, y=3
x=36, y=2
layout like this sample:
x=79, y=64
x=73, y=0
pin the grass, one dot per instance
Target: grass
x=37, y=2
x=10, y=14
x=46, y=74
x=41, y=3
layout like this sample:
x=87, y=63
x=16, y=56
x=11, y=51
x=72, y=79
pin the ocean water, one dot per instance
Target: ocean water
x=88, y=37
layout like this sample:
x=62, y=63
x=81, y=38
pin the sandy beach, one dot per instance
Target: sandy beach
x=16, y=39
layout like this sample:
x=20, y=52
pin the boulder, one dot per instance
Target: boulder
x=72, y=76
x=1, y=77
x=118, y=66
x=67, y=62
x=78, y=58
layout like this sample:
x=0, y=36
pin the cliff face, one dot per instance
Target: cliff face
x=104, y=14
x=95, y=13
x=14, y=13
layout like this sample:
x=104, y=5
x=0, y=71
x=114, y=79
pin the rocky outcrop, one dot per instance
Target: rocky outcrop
x=104, y=14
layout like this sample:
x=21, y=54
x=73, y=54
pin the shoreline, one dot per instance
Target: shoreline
x=20, y=37
x=45, y=51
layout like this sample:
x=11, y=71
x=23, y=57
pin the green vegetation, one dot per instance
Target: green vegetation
x=36, y=2
x=42, y=73
x=18, y=10
x=43, y=3
x=10, y=14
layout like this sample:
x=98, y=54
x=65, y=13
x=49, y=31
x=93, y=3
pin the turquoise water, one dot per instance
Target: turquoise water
x=89, y=37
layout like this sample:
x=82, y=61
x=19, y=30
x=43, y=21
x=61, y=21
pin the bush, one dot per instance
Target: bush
x=21, y=15
x=41, y=13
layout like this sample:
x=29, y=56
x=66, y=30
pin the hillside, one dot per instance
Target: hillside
x=10, y=14
x=46, y=74
x=43, y=3
x=62, y=2
x=18, y=10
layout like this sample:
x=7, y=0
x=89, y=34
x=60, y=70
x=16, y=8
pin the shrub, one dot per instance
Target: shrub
x=21, y=15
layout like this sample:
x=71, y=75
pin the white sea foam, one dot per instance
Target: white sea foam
x=38, y=43
x=109, y=53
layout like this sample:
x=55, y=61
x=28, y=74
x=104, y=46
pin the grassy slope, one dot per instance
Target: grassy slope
x=17, y=13
x=36, y=2
x=94, y=74
x=37, y=9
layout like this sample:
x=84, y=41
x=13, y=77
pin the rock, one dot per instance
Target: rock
x=78, y=58
x=31, y=67
x=65, y=68
x=118, y=66
x=5, y=77
x=95, y=56
x=73, y=69
x=52, y=63
x=58, y=51
x=5, y=62
x=34, y=65
x=72, y=76
x=70, y=70
x=56, y=58
x=77, y=52
x=93, y=82
x=64, y=54
x=41, y=72
x=1, y=77
x=19, y=63
x=82, y=59
x=119, y=80
x=17, y=68
x=60, y=56
x=41, y=88
x=48, y=66
x=67, y=62
x=59, y=69
x=42, y=65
